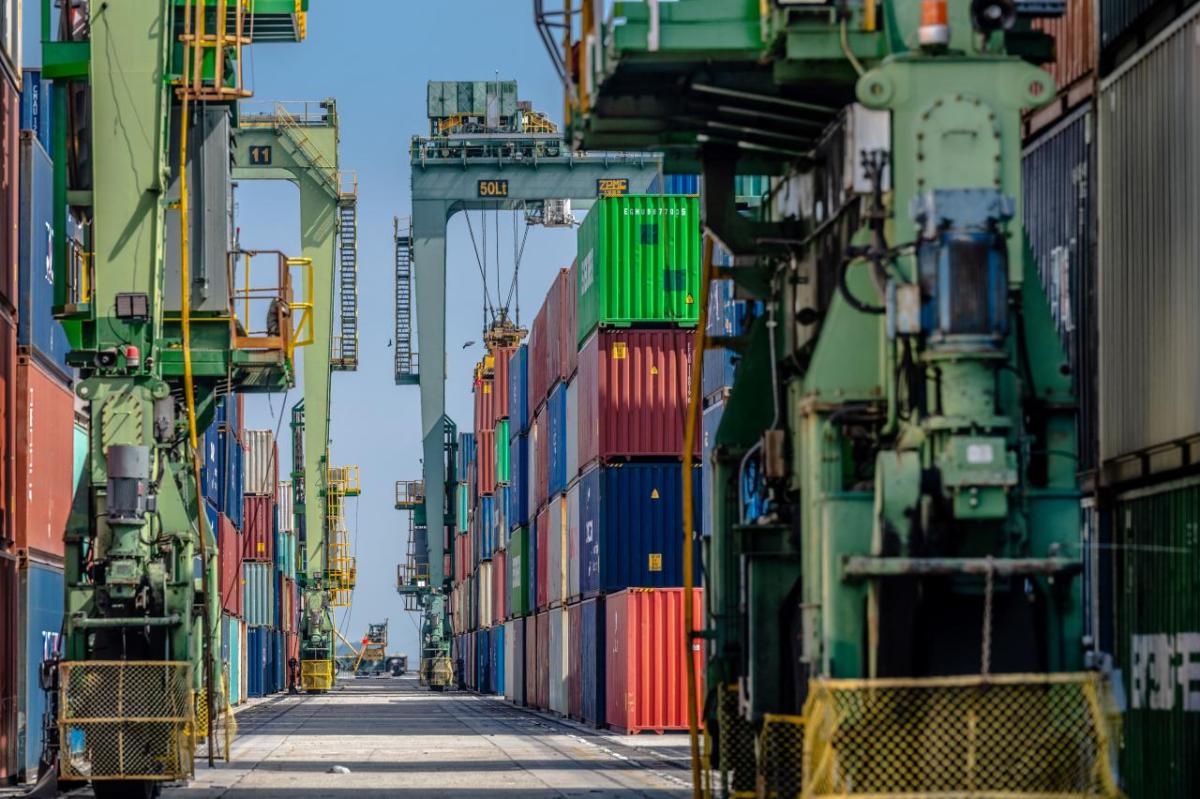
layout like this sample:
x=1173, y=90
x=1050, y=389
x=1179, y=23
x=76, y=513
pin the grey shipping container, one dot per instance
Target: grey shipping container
x=1126, y=24
x=1060, y=222
x=1149, y=201
x=1158, y=637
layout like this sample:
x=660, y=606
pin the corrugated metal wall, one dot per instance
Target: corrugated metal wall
x=1060, y=221
x=1149, y=123
x=1075, y=42
x=1158, y=637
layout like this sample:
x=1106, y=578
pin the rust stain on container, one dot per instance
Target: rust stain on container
x=45, y=456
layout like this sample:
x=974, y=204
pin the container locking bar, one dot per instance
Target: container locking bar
x=866, y=567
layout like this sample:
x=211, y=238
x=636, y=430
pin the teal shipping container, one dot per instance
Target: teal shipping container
x=231, y=650
x=639, y=262
x=81, y=441
x=40, y=610
x=258, y=596
x=1157, y=570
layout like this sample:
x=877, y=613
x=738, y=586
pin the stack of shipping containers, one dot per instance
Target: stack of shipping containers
x=221, y=482
x=263, y=581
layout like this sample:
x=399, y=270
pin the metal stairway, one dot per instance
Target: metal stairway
x=406, y=363
x=345, y=345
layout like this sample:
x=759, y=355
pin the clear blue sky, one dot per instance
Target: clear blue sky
x=374, y=57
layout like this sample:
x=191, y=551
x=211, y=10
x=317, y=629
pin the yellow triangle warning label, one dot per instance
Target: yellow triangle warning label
x=653, y=370
x=654, y=494
x=690, y=299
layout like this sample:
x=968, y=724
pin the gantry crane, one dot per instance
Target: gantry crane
x=892, y=598
x=144, y=113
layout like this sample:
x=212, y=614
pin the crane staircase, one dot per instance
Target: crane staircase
x=406, y=361
x=345, y=343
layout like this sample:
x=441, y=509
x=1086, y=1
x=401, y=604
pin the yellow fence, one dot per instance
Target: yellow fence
x=123, y=720
x=1004, y=736
x=316, y=675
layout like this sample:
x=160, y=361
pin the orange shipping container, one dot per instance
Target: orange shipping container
x=645, y=681
x=8, y=391
x=45, y=485
x=1074, y=43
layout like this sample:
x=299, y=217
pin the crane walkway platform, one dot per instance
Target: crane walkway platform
x=396, y=739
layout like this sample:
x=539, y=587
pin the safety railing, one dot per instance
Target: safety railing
x=282, y=329
x=206, y=52
x=410, y=494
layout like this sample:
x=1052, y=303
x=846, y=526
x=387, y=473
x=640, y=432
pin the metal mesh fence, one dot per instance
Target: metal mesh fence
x=737, y=745
x=1043, y=735
x=126, y=720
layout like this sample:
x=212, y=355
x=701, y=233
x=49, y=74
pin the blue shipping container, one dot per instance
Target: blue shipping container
x=277, y=662
x=483, y=665
x=728, y=316
x=518, y=495
x=531, y=576
x=40, y=610
x=37, y=327
x=518, y=392
x=717, y=372
x=630, y=522
x=500, y=517
x=497, y=659
x=210, y=474
x=232, y=464
x=681, y=184
x=466, y=454
x=591, y=678
x=37, y=106
x=557, y=424
x=483, y=526
x=257, y=660
x=709, y=423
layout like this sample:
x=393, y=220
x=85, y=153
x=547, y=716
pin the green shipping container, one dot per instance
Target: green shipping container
x=503, y=475
x=463, y=517
x=639, y=262
x=517, y=563
x=1157, y=574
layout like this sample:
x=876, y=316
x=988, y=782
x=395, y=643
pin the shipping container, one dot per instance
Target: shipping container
x=82, y=441
x=556, y=555
x=229, y=546
x=498, y=638
x=531, y=660
x=501, y=380
x=485, y=404
x=514, y=661
x=231, y=459
x=592, y=656
x=518, y=495
x=572, y=542
x=556, y=444
x=681, y=184
x=258, y=594
x=37, y=328
x=1059, y=211
x=574, y=669
x=261, y=463
x=557, y=346
x=10, y=120
x=542, y=553
x=484, y=593
x=462, y=516
x=540, y=341
x=559, y=662
x=284, y=512
x=9, y=650
x=1126, y=24
x=532, y=567
x=483, y=529
x=518, y=390
x=466, y=454
x=500, y=526
x=1157, y=567
x=231, y=647
x=572, y=429
x=539, y=459
x=258, y=536
x=500, y=447
x=258, y=661
x=631, y=526
x=485, y=461
x=645, y=677
x=44, y=458
x=542, y=665
x=639, y=262
x=568, y=342
x=499, y=586
x=481, y=655
x=210, y=469
x=8, y=433
x=518, y=567
x=633, y=394
x=717, y=373
x=709, y=423
x=1074, y=44
x=1148, y=244
x=37, y=106
x=40, y=606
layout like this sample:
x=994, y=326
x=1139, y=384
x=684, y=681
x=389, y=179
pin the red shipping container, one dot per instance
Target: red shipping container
x=8, y=401
x=293, y=653
x=633, y=394
x=557, y=346
x=1074, y=43
x=8, y=667
x=543, y=558
x=539, y=344
x=499, y=585
x=230, y=559
x=575, y=661
x=541, y=458
x=258, y=535
x=568, y=335
x=45, y=433
x=645, y=681
x=531, y=660
x=542, y=667
x=10, y=143
x=485, y=404
x=485, y=459
x=500, y=384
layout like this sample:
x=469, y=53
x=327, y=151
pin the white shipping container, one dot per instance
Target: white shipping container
x=556, y=556
x=559, y=661
x=483, y=583
x=572, y=430
x=262, y=467
x=283, y=507
x=572, y=564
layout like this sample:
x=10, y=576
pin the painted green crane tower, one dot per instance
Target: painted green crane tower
x=146, y=104
x=892, y=597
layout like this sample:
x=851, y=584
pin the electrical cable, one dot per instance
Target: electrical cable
x=480, y=263
x=855, y=302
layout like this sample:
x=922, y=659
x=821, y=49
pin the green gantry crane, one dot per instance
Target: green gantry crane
x=146, y=105
x=892, y=599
